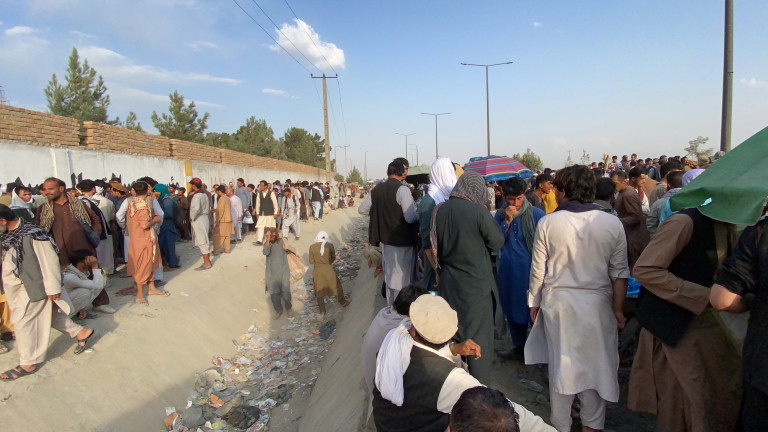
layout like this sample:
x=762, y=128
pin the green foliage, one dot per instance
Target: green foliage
x=83, y=96
x=132, y=123
x=530, y=160
x=182, y=122
x=256, y=137
x=695, y=150
x=302, y=147
x=355, y=176
x=338, y=177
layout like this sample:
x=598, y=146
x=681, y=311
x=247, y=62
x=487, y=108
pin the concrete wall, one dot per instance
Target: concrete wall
x=35, y=145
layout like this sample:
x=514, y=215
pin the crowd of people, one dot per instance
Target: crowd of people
x=554, y=256
x=60, y=245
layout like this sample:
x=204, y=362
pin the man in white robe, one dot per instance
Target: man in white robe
x=199, y=211
x=576, y=295
x=265, y=209
x=31, y=281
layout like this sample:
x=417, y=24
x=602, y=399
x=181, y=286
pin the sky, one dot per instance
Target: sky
x=593, y=76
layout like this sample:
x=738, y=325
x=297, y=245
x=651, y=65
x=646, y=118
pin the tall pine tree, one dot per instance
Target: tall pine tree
x=83, y=96
x=182, y=121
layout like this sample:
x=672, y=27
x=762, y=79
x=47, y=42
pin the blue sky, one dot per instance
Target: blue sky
x=595, y=76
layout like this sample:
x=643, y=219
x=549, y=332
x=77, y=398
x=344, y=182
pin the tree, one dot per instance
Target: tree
x=355, y=176
x=182, y=122
x=256, y=137
x=530, y=160
x=131, y=122
x=585, y=158
x=695, y=149
x=303, y=147
x=338, y=177
x=83, y=96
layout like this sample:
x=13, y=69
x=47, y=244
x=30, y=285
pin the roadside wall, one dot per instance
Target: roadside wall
x=35, y=145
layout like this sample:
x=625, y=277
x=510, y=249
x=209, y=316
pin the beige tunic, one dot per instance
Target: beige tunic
x=694, y=386
x=576, y=256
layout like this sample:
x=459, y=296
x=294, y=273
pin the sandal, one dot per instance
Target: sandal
x=79, y=349
x=163, y=293
x=16, y=373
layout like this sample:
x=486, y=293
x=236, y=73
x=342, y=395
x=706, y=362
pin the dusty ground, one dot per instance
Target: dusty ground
x=145, y=358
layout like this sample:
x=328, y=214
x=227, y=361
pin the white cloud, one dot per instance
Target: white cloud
x=81, y=34
x=273, y=92
x=135, y=96
x=115, y=66
x=754, y=83
x=308, y=42
x=20, y=31
x=199, y=45
x=537, y=24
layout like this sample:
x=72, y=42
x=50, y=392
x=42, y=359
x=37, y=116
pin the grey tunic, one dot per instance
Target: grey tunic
x=466, y=234
x=278, y=273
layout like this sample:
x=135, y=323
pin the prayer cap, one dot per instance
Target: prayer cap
x=196, y=181
x=434, y=319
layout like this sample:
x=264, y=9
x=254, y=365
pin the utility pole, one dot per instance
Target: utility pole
x=346, y=169
x=487, y=100
x=406, y=141
x=725, y=126
x=438, y=114
x=325, y=123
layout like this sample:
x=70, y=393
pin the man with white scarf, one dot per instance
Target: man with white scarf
x=419, y=375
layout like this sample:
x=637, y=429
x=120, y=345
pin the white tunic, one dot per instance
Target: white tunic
x=576, y=256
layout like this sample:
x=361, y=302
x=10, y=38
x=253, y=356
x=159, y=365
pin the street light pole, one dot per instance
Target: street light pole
x=438, y=114
x=416, y=146
x=406, y=141
x=487, y=100
x=346, y=169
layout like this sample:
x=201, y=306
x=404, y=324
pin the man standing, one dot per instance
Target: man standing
x=184, y=228
x=393, y=224
x=199, y=206
x=661, y=188
x=245, y=197
x=686, y=369
x=630, y=212
x=290, y=213
x=143, y=248
x=674, y=183
x=237, y=215
x=578, y=284
x=66, y=218
x=518, y=220
x=637, y=180
x=31, y=280
x=104, y=251
x=542, y=197
x=223, y=225
x=265, y=210
x=317, y=200
x=746, y=272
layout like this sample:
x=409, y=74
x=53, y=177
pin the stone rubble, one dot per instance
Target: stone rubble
x=267, y=367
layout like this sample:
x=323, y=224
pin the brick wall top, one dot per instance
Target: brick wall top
x=20, y=124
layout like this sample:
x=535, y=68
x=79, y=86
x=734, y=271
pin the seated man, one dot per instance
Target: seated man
x=418, y=377
x=84, y=281
x=482, y=409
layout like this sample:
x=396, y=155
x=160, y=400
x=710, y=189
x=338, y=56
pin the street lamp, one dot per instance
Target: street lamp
x=406, y=141
x=416, y=146
x=487, y=100
x=439, y=114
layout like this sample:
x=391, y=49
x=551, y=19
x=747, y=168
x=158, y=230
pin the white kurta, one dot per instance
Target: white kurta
x=199, y=209
x=576, y=256
x=33, y=320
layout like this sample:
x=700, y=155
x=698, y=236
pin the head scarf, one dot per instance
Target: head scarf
x=163, y=189
x=18, y=203
x=392, y=362
x=13, y=239
x=442, y=178
x=690, y=175
x=471, y=187
x=322, y=236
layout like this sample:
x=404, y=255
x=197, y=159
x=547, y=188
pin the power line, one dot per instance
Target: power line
x=270, y=36
x=319, y=51
x=343, y=117
x=289, y=39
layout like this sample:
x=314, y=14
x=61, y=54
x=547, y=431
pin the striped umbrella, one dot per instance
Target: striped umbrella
x=497, y=168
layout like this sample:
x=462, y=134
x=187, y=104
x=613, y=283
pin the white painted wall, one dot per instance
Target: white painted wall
x=34, y=163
